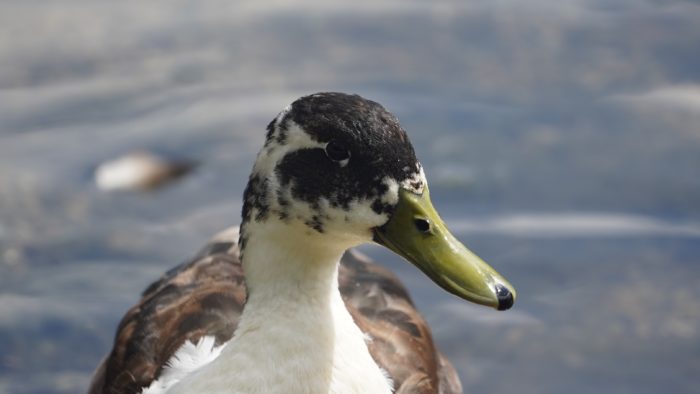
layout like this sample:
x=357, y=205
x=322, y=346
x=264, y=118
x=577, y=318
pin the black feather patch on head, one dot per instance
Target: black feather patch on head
x=378, y=148
x=361, y=148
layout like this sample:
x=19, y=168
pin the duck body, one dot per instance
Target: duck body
x=282, y=312
x=205, y=298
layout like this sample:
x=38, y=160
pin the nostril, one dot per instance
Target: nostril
x=505, y=297
x=423, y=225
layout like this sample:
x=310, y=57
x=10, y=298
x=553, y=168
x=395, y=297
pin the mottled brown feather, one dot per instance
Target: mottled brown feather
x=206, y=296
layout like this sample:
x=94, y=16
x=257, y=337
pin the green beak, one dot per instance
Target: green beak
x=416, y=232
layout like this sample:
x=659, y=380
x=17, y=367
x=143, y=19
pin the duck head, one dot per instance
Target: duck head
x=340, y=169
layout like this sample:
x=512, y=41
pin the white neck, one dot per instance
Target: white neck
x=295, y=334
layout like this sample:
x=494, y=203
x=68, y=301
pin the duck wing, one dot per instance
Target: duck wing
x=400, y=339
x=205, y=297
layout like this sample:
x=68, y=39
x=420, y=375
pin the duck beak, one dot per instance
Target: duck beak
x=416, y=232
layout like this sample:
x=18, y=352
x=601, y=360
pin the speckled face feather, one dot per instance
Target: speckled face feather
x=296, y=179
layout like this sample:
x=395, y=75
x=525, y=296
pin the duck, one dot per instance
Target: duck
x=283, y=303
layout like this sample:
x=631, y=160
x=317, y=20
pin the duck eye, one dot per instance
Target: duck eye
x=337, y=152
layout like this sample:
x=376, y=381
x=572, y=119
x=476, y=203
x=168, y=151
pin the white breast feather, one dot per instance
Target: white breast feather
x=189, y=358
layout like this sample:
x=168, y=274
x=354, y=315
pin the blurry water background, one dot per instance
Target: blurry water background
x=561, y=139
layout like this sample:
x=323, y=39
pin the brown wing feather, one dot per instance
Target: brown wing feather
x=401, y=340
x=202, y=297
x=206, y=296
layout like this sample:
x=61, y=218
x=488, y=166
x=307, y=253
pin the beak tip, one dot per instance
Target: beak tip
x=505, y=297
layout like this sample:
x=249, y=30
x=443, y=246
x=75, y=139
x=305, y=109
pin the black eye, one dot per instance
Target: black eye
x=423, y=225
x=337, y=152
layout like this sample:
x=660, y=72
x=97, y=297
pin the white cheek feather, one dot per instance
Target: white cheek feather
x=392, y=194
x=351, y=226
x=188, y=358
x=363, y=213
